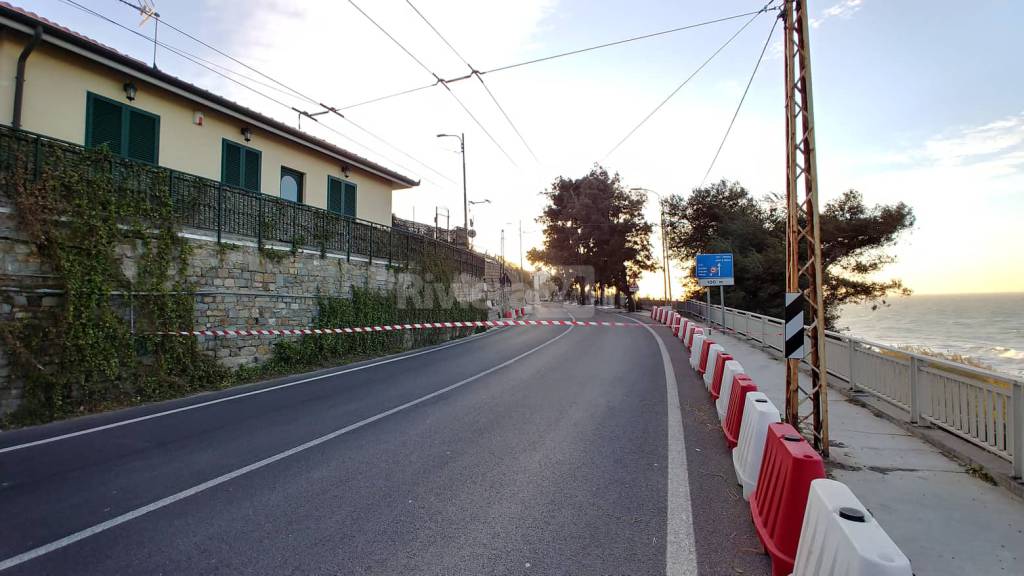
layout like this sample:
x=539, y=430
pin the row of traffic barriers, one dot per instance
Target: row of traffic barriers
x=809, y=525
x=515, y=313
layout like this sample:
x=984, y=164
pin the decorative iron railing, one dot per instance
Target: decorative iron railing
x=204, y=204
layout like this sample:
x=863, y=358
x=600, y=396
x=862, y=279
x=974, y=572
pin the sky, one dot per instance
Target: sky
x=915, y=100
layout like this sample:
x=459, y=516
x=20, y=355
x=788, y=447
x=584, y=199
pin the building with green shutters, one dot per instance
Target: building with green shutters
x=72, y=88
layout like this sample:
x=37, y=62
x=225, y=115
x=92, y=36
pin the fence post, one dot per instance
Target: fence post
x=390, y=239
x=370, y=255
x=323, y=233
x=915, y=393
x=851, y=347
x=348, y=240
x=220, y=210
x=295, y=219
x=259, y=222
x=1017, y=426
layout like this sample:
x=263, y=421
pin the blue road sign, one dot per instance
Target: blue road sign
x=715, y=270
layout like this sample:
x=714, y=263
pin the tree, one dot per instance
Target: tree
x=724, y=217
x=595, y=222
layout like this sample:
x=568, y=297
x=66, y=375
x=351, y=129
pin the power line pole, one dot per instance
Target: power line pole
x=803, y=234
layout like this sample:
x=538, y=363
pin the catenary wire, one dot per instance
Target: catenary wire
x=750, y=81
x=554, y=56
x=439, y=80
x=478, y=77
x=683, y=83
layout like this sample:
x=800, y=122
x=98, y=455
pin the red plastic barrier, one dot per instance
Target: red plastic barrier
x=741, y=386
x=522, y=311
x=682, y=328
x=703, y=364
x=508, y=314
x=716, y=380
x=777, y=506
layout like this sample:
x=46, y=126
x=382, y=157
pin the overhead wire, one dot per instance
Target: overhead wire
x=617, y=42
x=479, y=77
x=199, y=61
x=440, y=81
x=750, y=81
x=683, y=84
x=559, y=55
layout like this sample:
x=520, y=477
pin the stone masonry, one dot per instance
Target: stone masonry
x=236, y=287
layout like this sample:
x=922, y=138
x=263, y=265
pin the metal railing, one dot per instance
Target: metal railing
x=205, y=204
x=985, y=408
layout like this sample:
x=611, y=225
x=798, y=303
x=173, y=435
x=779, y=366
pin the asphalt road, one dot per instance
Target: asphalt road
x=534, y=450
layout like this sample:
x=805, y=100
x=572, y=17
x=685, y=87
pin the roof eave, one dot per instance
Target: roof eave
x=115, y=60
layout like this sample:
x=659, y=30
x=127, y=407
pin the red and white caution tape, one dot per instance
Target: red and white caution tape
x=396, y=327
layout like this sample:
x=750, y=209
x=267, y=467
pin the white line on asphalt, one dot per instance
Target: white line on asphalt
x=680, y=546
x=242, y=395
x=93, y=530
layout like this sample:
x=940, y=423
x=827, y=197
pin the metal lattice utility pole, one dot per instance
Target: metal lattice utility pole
x=807, y=410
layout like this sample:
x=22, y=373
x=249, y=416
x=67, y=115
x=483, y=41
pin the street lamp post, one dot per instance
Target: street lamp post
x=666, y=272
x=465, y=198
x=474, y=203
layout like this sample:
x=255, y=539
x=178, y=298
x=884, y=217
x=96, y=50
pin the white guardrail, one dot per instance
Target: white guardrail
x=983, y=407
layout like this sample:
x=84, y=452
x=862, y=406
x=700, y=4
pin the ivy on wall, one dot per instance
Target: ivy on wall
x=85, y=357
x=99, y=349
x=370, y=307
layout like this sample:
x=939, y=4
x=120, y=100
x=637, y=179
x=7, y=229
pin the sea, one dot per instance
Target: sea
x=987, y=328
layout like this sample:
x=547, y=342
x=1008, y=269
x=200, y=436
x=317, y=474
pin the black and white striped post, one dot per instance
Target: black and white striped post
x=794, y=326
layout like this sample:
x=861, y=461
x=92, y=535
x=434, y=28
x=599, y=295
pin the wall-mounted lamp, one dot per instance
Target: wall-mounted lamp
x=130, y=90
x=344, y=170
x=247, y=133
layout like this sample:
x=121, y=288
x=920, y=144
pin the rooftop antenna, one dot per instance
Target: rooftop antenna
x=147, y=9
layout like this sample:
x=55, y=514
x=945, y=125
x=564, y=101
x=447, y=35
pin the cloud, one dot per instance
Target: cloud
x=844, y=9
x=998, y=143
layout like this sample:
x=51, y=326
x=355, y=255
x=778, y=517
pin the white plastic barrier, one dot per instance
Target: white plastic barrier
x=840, y=538
x=689, y=329
x=758, y=413
x=729, y=371
x=683, y=328
x=676, y=321
x=709, y=370
x=698, y=342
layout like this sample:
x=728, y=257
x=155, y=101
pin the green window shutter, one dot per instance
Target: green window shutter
x=231, y=164
x=143, y=136
x=104, y=123
x=350, y=199
x=251, y=170
x=335, y=195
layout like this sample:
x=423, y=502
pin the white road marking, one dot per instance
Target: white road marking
x=117, y=520
x=680, y=546
x=242, y=395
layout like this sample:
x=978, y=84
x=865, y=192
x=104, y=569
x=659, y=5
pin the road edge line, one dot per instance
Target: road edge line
x=680, y=544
